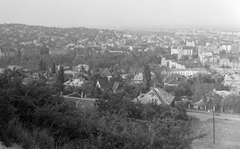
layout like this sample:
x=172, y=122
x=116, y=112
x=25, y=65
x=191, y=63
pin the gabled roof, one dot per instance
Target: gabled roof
x=173, y=82
x=75, y=94
x=165, y=97
x=156, y=95
x=199, y=103
x=105, y=73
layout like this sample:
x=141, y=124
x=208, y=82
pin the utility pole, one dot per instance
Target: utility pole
x=213, y=125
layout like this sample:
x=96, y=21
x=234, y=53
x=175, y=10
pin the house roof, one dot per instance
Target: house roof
x=165, y=97
x=104, y=83
x=173, y=82
x=199, y=103
x=14, y=67
x=34, y=76
x=156, y=94
x=138, y=77
x=115, y=85
x=75, y=94
x=80, y=102
x=222, y=93
x=74, y=82
x=105, y=73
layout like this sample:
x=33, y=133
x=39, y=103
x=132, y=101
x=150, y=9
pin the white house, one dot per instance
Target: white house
x=82, y=66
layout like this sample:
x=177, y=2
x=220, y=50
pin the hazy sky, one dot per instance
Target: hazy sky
x=120, y=13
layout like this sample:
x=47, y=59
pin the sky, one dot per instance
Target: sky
x=120, y=13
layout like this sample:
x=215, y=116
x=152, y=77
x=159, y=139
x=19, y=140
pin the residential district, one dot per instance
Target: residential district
x=200, y=67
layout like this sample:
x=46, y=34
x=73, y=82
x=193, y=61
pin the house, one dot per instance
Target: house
x=156, y=95
x=171, y=82
x=74, y=82
x=235, y=88
x=171, y=64
x=138, y=78
x=230, y=79
x=106, y=73
x=183, y=50
x=15, y=68
x=175, y=49
x=34, y=77
x=81, y=67
x=104, y=84
x=199, y=105
x=222, y=93
x=190, y=43
x=224, y=61
x=188, y=50
x=72, y=73
x=79, y=100
x=204, y=53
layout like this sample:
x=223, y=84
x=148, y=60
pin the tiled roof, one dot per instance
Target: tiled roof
x=165, y=97
x=156, y=95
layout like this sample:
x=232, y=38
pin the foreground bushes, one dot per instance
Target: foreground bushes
x=33, y=118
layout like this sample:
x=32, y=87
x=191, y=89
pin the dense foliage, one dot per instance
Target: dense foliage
x=36, y=116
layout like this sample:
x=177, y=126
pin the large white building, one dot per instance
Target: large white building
x=185, y=72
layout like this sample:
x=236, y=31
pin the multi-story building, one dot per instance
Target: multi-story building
x=171, y=64
x=190, y=43
x=185, y=72
x=8, y=52
x=30, y=51
x=235, y=48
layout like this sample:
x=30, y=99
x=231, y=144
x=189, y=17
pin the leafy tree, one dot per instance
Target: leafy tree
x=201, y=90
x=147, y=77
x=60, y=76
x=53, y=68
x=41, y=65
x=219, y=86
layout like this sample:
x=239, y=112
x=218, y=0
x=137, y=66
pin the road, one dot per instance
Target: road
x=203, y=116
